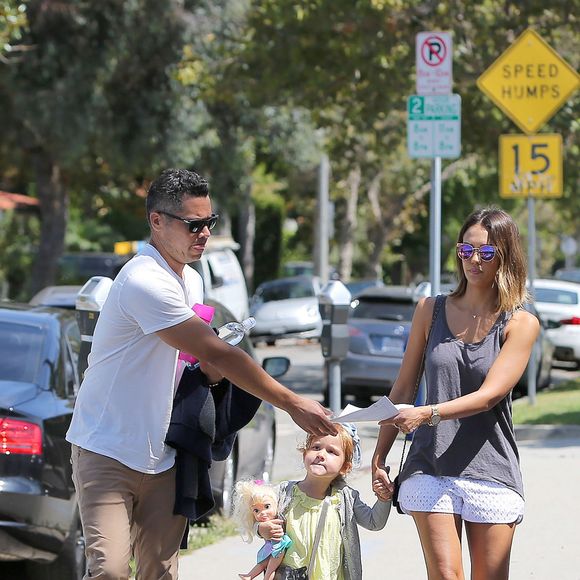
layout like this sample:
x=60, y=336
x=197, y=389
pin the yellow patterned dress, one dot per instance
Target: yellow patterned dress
x=301, y=521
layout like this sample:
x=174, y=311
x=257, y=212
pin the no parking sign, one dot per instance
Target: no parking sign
x=434, y=59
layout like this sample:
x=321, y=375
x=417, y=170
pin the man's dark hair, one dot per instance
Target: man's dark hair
x=166, y=193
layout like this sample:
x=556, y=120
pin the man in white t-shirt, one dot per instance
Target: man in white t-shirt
x=123, y=471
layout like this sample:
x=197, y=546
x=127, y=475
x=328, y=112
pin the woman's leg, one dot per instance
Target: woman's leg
x=490, y=546
x=440, y=536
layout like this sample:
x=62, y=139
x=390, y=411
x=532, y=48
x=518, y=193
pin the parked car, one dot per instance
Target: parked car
x=287, y=307
x=78, y=267
x=558, y=302
x=39, y=520
x=253, y=452
x=544, y=349
x=568, y=274
x=355, y=287
x=56, y=296
x=378, y=326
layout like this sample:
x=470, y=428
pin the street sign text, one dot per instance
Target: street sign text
x=434, y=126
x=530, y=165
x=529, y=82
x=434, y=60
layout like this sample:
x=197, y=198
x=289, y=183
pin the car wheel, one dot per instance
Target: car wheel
x=70, y=564
x=228, y=482
x=271, y=342
x=268, y=466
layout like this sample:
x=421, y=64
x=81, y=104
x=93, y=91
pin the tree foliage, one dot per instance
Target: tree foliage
x=97, y=97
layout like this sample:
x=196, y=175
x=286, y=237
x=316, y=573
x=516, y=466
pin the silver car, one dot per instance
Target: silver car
x=379, y=324
x=287, y=307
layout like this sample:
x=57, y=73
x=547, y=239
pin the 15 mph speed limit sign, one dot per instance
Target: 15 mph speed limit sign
x=530, y=165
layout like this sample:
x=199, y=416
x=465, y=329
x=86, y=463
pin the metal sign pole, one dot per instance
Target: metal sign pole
x=435, y=227
x=531, y=277
x=321, y=241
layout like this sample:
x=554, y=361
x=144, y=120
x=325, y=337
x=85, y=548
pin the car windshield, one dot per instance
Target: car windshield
x=382, y=309
x=285, y=290
x=21, y=348
x=556, y=296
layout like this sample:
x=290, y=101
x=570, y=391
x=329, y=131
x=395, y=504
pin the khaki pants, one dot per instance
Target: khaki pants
x=125, y=512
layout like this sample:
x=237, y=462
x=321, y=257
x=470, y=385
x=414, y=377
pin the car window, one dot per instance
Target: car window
x=556, y=296
x=286, y=290
x=569, y=275
x=382, y=309
x=21, y=349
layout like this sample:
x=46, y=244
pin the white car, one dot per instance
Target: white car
x=558, y=302
x=287, y=307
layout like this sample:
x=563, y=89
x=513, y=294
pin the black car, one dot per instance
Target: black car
x=39, y=520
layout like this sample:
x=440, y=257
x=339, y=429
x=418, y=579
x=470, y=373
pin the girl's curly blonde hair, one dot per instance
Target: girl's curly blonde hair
x=246, y=494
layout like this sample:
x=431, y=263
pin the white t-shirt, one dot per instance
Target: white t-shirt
x=125, y=401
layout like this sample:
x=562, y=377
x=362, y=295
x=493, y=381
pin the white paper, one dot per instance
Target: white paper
x=379, y=411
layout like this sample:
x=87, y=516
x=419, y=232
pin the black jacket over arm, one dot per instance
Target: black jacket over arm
x=203, y=427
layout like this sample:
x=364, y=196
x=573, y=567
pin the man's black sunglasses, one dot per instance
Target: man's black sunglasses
x=195, y=226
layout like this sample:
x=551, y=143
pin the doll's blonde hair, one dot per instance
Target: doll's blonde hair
x=246, y=494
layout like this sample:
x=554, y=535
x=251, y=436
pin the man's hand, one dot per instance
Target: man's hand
x=271, y=530
x=312, y=417
x=211, y=373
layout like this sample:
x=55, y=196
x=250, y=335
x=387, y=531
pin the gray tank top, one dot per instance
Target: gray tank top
x=482, y=446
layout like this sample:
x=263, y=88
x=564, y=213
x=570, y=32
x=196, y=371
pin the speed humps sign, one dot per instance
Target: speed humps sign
x=529, y=82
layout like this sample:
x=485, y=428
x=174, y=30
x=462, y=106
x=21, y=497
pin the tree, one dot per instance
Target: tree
x=95, y=96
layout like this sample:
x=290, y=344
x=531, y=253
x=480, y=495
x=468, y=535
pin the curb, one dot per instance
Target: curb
x=541, y=432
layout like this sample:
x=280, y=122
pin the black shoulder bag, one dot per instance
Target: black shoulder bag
x=396, y=481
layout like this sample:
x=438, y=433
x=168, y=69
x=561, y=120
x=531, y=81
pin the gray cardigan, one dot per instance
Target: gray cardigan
x=352, y=511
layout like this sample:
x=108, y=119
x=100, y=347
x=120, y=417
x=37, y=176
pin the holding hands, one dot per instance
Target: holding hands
x=382, y=485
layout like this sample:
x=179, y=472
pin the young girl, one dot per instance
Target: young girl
x=256, y=502
x=327, y=460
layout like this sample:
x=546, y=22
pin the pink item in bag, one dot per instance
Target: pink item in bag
x=206, y=314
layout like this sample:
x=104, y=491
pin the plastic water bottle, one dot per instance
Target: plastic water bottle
x=234, y=332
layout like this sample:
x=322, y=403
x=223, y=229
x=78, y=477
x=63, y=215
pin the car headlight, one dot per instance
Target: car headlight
x=312, y=311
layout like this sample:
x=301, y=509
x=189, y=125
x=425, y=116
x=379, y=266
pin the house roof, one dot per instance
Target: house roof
x=16, y=201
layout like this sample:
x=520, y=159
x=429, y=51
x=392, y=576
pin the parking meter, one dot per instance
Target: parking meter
x=334, y=304
x=89, y=304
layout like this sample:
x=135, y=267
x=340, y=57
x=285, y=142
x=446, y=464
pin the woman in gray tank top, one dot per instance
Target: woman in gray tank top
x=463, y=465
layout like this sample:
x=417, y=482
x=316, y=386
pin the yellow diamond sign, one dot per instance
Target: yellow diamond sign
x=529, y=82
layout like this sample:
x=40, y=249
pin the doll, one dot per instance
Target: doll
x=255, y=502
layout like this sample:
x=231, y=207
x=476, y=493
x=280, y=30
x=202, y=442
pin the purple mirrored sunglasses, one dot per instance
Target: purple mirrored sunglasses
x=486, y=252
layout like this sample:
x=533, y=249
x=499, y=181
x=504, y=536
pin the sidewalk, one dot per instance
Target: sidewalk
x=546, y=544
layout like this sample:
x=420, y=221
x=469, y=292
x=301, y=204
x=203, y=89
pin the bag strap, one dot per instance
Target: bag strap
x=319, y=528
x=437, y=306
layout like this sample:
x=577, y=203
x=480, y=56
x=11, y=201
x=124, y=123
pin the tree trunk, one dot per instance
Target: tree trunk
x=53, y=202
x=349, y=225
x=377, y=230
x=248, y=234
